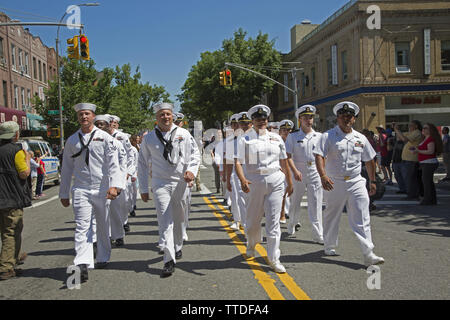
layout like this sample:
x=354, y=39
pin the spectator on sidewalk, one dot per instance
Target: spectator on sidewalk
x=397, y=166
x=446, y=152
x=15, y=195
x=427, y=152
x=33, y=166
x=386, y=156
x=410, y=161
x=41, y=174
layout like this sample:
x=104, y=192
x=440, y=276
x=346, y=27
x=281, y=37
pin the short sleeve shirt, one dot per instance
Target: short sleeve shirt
x=20, y=161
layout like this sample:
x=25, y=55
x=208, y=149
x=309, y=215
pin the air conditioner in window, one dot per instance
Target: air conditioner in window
x=3, y=61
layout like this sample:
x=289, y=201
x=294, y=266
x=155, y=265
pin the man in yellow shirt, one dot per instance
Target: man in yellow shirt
x=410, y=162
x=14, y=196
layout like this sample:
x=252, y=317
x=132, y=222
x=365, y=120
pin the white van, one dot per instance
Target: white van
x=51, y=161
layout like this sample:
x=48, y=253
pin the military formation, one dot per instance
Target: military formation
x=266, y=169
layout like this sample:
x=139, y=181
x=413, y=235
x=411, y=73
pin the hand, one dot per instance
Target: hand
x=189, y=176
x=229, y=186
x=289, y=189
x=133, y=179
x=298, y=175
x=327, y=183
x=373, y=189
x=144, y=197
x=244, y=186
x=112, y=193
x=65, y=202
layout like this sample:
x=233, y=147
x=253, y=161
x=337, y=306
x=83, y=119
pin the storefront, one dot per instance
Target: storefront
x=7, y=114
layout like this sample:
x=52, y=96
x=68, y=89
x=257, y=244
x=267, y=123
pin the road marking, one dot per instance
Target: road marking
x=40, y=203
x=263, y=278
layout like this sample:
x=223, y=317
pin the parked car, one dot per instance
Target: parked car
x=51, y=160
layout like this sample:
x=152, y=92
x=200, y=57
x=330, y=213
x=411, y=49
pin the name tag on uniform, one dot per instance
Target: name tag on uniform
x=119, y=138
x=359, y=144
x=300, y=141
x=273, y=139
x=179, y=139
x=98, y=139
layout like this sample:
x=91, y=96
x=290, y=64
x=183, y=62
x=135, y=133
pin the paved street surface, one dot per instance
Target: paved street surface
x=413, y=239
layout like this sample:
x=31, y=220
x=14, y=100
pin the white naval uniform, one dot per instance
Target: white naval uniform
x=132, y=186
x=116, y=206
x=260, y=158
x=344, y=153
x=301, y=147
x=238, y=208
x=123, y=198
x=90, y=186
x=168, y=183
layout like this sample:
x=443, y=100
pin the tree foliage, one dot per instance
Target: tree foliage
x=204, y=99
x=115, y=91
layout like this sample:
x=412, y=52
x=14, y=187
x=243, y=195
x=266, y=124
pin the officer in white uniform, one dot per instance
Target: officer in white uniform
x=131, y=182
x=344, y=148
x=233, y=185
x=91, y=158
x=121, y=205
x=299, y=147
x=285, y=128
x=172, y=155
x=261, y=154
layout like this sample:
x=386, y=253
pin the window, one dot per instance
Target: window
x=303, y=84
x=29, y=97
x=13, y=56
x=445, y=55
x=20, y=60
x=5, y=94
x=34, y=68
x=402, y=58
x=45, y=72
x=330, y=72
x=313, y=79
x=2, y=54
x=40, y=70
x=27, y=65
x=344, y=65
x=16, y=97
x=22, y=95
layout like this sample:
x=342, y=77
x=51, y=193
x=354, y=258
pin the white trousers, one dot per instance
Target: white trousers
x=287, y=202
x=265, y=199
x=238, y=208
x=313, y=187
x=132, y=194
x=170, y=209
x=187, y=210
x=352, y=194
x=118, y=210
x=90, y=206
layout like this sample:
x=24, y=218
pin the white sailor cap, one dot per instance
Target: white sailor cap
x=243, y=116
x=102, y=117
x=273, y=125
x=178, y=116
x=162, y=106
x=85, y=106
x=346, y=107
x=286, y=124
x=113, y=118
x=306, y=109
x=234, y=118
x=259, y=111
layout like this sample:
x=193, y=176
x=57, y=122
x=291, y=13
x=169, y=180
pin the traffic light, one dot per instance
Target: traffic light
x=73, y=50
x=53, y=133
x=84, y=47
x=228, y=79
x=222, y=78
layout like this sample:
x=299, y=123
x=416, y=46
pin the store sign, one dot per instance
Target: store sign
x=427, y=51
x=421, y=100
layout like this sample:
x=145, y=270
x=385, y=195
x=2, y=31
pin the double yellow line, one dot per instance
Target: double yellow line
x=264, y=279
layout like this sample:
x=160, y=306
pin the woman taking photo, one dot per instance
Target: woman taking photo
x=428, y=150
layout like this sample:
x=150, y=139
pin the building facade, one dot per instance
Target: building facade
x=390, y=57
x=26, y=66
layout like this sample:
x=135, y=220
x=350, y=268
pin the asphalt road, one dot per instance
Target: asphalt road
x=414, y=240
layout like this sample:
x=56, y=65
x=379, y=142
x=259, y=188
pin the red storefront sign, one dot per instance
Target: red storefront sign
x=7, y=114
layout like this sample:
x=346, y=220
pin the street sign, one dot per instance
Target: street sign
x=53, y=111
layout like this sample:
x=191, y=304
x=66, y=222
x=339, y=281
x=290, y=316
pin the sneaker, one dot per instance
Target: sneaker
x=318, y=240
x=277, y=266
x=372, y=259
x=235, y=226
x=250, y=253
x=298, y=226
x=330, y=252
x=7, y=275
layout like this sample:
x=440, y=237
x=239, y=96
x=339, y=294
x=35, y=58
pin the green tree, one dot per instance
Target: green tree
x=203, y=98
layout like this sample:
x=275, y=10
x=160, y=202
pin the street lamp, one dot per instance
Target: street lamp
x=95, y=4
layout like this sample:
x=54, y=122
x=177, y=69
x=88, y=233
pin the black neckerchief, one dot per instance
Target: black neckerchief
x=83, y=147
x=168, y=147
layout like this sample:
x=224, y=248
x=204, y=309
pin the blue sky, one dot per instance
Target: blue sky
x=165, y=38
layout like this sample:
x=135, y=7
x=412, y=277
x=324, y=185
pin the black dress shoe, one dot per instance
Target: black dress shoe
x=84, y=272
x=132, y=214
x=178, y=255
x=126, y=227
x=169, y=268
x=119, y=242
x=95, y=249
x=101, y=265
x=298, y=226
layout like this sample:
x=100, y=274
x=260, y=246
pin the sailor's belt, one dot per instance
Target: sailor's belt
x=308, y=163
x=266, y=172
